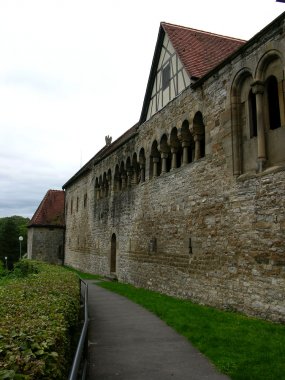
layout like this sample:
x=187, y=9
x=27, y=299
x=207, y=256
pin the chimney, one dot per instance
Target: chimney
x=108, y=140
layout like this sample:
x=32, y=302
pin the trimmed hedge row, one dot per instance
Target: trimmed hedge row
x=39, y=311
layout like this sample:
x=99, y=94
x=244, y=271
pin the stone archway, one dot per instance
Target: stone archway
x=113, y=259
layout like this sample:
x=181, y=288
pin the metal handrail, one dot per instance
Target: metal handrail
x=82, y=340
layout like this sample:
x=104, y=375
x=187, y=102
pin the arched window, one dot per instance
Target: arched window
x=136, y=170
x=176, y=149
x=123, y=176
x=142, y=165
x=199, y=136
x=187, y=143
x=101, y=187
x=155, y=163
x=252, y=114
x=273, y=102
x=165, y=154
x=109, y=180
x=129, y=172
x=117, y=179
x=244, y=125
x=105, y=185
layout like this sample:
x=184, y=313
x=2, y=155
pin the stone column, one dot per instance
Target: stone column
x=115, y=184
x=155, y=162
x=101, y=191
x=258, y=89
x=107, y=188
x=135, y=177
x=97, y=193
x=197, y=139
x=185, y=145
x=164, y=162
x=142, y=172
x=111, y=186
x=129, y=178
x=173, y=158
x=124, y=182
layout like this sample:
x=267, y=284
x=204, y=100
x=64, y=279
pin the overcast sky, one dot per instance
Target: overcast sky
x=72, y=72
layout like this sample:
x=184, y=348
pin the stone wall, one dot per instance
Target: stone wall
x=197, y=231
x=46, y=244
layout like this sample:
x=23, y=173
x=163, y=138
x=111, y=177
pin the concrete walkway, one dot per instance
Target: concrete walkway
x=127, y=342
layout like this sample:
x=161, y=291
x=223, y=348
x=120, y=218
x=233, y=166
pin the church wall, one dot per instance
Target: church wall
x=80, y=242
x=197, y=231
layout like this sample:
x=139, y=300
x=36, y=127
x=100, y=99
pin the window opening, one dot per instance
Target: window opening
x=252, y=114
x=165, y=76
x=273, y=103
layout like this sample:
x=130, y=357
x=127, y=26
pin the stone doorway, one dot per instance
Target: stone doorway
x=113, y=254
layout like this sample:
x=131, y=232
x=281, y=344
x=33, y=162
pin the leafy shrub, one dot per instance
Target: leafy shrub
x=37, y=315
x=25, y=267
x=3, y=271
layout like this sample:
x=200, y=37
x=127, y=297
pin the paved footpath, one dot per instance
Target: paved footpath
x=127, y=342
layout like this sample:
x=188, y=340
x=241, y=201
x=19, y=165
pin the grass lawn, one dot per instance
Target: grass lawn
x=244, y=348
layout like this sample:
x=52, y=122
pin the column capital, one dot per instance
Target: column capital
x=198, y=137
x=257, y=87
x=164, y=155
x=185, y=144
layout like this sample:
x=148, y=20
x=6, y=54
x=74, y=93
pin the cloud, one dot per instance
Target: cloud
x=29, y=79
x=73, y=72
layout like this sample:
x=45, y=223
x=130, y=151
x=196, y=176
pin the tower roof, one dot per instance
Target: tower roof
x=50, y=211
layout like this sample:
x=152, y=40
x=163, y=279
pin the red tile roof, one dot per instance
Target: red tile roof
x=50, y=211
x=200, y=51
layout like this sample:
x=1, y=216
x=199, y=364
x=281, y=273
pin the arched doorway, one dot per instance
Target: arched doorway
x=113, y=254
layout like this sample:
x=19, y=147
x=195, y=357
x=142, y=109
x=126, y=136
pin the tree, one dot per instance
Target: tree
x=10, y=230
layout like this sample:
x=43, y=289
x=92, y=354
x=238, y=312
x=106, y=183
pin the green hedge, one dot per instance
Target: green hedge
x=39, y=311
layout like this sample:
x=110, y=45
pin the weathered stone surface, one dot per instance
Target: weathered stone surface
x=197, y=231
x=46, y=243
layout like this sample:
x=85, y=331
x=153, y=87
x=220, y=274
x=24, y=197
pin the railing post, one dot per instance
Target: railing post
x=82, y=340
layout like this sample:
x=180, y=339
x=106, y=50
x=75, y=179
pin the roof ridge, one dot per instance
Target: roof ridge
x=54, y=190
x=202, y=31
x=50, y=210
x=39, y=209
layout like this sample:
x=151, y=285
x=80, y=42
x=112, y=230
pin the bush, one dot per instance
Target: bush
x=3, y=271
x=37, y=315
x=25, y=267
